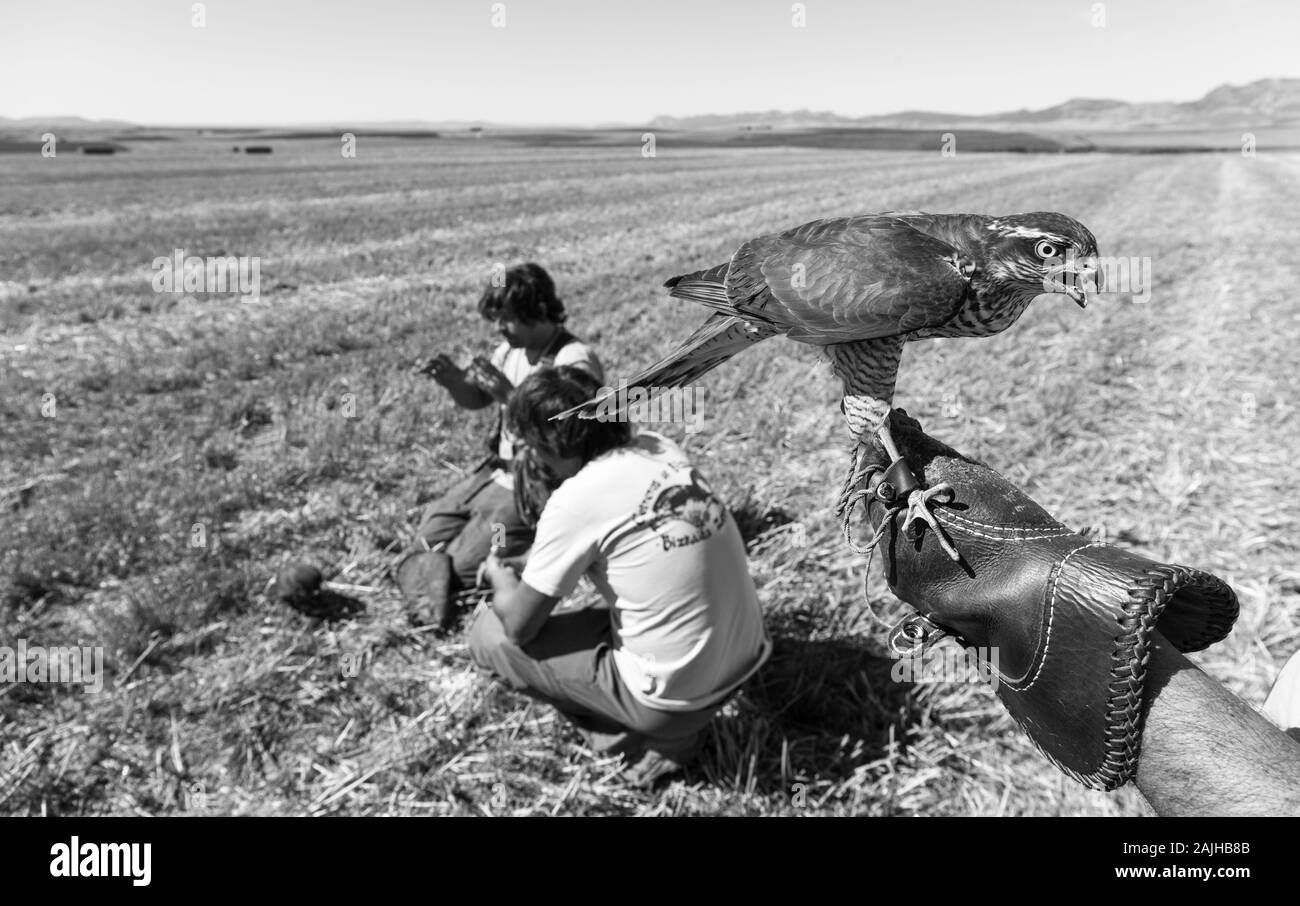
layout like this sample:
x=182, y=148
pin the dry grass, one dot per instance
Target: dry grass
x=178, y=411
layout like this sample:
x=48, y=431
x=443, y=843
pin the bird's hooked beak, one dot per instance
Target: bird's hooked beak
x=1080, y=278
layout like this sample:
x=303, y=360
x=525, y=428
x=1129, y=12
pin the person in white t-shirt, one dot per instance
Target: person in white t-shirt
x=1282, y=706
x=683, y=628
x=482, y=510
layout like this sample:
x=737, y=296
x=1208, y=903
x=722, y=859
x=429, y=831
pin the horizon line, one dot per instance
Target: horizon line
x=433, y=123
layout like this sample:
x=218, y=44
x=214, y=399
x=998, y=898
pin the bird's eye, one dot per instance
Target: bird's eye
x=1045, y=249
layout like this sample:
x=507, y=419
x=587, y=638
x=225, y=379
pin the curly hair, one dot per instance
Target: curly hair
x=526, y=294
x=550, y=391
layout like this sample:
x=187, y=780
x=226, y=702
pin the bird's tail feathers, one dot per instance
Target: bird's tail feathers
x=707, y=287
x=717, y=340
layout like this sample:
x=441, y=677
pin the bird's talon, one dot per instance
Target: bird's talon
x=920, y=514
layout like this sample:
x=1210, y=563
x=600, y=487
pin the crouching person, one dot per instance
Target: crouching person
x=683, y=629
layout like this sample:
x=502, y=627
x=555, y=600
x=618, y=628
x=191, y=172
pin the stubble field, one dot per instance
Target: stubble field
x=161, y=455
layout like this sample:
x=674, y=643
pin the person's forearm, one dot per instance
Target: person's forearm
x=521, y=609
x=1206, y=752
x=467, y=396
x=505, y=588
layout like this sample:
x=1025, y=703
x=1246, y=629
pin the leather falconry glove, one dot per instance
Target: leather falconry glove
x=1070, y=619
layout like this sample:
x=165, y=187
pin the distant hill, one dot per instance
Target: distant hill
x=1267, y=102
x=28, y=123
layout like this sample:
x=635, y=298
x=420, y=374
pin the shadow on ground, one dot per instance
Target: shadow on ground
x=819, y=711
x=327, y=605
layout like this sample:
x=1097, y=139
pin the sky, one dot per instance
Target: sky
x=284, y=62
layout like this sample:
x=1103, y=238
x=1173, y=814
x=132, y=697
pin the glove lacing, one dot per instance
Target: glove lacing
x=918, y=504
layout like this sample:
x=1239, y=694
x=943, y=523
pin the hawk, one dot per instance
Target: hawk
x=860, y=287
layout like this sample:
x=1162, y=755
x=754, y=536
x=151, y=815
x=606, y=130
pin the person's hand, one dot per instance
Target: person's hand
x=515, y=562
x=497, y=573
x=489, y=378
x=1060, y=623
x=443, y=370
x=470, y=388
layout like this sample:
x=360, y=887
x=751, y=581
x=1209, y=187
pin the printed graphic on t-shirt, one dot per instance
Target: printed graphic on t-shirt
x=681, y=514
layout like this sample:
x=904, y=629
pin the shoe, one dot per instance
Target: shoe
x=604, y=743
x=653, y=768
x=661, y=761
x=425, y=580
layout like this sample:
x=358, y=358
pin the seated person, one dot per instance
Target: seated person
x=480, y=511
x=683, y=629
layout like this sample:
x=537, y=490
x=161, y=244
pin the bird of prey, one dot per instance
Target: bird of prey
x=861, y=287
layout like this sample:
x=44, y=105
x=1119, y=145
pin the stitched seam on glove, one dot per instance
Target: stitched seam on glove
x=1051, y=618
x=946, y=515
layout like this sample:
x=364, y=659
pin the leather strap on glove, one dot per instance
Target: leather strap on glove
x=1070, y=618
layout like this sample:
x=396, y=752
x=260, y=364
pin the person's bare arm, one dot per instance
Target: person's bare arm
x=1206, y=752
x=465, y=392
x=521, y=608
x=490, y=379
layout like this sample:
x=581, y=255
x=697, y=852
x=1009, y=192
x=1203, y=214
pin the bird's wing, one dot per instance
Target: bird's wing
x=852, y=278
